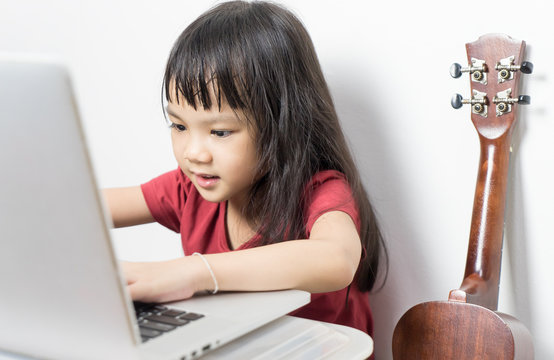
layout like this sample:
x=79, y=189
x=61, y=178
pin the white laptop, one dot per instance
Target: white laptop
x=62, y=295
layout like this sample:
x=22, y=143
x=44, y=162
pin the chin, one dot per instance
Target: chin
x=215, y=198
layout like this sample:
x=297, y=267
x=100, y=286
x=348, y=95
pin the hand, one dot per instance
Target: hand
x=162, y=281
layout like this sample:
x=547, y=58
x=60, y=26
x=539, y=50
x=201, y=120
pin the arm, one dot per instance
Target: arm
x=127, y=206
x=326, y=262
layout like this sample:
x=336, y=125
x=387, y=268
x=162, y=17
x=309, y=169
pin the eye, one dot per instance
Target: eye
x=221, y=133
x=178, y=127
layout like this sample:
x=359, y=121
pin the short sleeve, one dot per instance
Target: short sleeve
x=165, y=196
x=329, y=191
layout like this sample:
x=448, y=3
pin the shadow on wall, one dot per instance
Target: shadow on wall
x=364, y=124
x=516, y=234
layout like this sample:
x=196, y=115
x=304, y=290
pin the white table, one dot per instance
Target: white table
x=291, y=338
x=296, y=338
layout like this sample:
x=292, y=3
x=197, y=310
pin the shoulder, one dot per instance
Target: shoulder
x=327, y=175
x=327, y=191
x=174, y=181
x=173, y=176
x=328, y=185
x=166, y=196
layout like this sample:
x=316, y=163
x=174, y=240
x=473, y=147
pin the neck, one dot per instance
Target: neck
x=239, y=227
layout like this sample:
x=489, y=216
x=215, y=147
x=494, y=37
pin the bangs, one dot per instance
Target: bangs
x=206, y=65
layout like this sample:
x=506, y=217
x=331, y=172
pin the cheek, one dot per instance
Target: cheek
x=177, y=147
x=174, y=146
x=238, y=159
x=249, y=161
x=252, y=152
x=248, y=154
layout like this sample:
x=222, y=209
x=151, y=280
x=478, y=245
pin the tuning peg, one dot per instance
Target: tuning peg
x=503, y=97
x=506, y=68
x=504, y=102
x=477, y=69
x=524, y=99
x=478, y=102
x=526, y=67
x=456, y=71
x=457, y=101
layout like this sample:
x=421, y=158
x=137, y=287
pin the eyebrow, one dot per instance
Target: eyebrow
x=172, y=113
x=212, y=119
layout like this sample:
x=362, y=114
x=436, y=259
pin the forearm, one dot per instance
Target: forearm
x=326, y=262
x=127, y=206
x=311, y=265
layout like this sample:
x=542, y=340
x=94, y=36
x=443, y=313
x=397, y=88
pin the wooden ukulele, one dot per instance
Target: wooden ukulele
x=467, y=326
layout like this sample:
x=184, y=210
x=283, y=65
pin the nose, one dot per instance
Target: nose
x=196, y=150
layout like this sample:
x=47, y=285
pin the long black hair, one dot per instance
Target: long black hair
x=258, y=57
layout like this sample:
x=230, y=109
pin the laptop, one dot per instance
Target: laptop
x=62, y=294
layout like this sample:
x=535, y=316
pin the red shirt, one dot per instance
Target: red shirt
x=175, y=203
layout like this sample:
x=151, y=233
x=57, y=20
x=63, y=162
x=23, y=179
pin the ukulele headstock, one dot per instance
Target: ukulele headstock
x=495, y=64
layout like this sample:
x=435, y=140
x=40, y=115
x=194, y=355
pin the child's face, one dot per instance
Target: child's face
x=215, y=149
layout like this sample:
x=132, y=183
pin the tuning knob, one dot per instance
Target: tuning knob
x=506, y=68
x=504, y=102
x=526, y=67
x=524, y=99
x=477, y=69
x=456, y=71
x=521, y=100
x=457, y=101
x=478, y=102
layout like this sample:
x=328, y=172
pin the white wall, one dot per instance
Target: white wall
x=387, y=66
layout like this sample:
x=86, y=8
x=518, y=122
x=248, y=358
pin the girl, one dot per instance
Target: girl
x=266, y=187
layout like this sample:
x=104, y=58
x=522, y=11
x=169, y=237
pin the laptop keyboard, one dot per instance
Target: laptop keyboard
x=155, y=320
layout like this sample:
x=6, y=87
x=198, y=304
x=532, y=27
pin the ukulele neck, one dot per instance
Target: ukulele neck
x=484, y=256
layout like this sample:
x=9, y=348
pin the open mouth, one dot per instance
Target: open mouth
x=206, y=181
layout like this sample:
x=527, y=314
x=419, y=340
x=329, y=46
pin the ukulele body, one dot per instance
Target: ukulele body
x=455, y=330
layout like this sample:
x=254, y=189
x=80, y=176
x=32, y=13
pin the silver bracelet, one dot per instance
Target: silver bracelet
x=216, y=286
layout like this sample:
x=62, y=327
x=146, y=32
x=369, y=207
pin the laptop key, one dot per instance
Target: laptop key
x=149, y=333
x=191, y=316
x=156, y=325
x=172, y=313
x=159, y=308
x=167, y=320
x=143, y=314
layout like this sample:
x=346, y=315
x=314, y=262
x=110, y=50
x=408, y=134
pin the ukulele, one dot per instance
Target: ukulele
x=468, y=325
